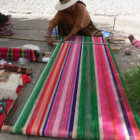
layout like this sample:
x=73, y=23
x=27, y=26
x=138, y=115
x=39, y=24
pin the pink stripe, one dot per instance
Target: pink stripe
x=126, y=103
x=54, y=122
x=107, y=97
x=107, y=125
x=70, y=75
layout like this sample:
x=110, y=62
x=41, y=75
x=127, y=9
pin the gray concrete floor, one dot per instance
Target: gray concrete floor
x=35, y=27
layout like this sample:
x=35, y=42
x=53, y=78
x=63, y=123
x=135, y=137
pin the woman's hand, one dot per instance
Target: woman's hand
x=50, y=41
x=66, y=38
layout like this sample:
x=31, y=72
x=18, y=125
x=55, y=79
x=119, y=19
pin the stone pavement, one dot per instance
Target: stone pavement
x=35, y=26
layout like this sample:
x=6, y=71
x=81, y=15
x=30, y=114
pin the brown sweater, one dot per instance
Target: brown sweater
x=79, y=19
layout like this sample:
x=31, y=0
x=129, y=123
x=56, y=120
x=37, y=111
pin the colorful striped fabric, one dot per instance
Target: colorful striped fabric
x=16, y=53
x=80, y=94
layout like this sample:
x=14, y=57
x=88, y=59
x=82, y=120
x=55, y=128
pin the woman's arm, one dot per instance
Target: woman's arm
x=52, y=24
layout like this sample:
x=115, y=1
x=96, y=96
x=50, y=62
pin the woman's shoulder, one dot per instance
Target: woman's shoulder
x=81, y=2
x=80, y=6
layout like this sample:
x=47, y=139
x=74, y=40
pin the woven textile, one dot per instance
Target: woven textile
x=80, y=94
x=16, y=53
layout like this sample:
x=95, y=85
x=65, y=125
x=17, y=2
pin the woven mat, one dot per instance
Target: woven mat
x=81, y=95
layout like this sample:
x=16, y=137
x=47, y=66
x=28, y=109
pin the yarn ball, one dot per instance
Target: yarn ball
x=127, y=51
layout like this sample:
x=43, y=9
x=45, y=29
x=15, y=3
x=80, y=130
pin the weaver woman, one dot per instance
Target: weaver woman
x=72, y=18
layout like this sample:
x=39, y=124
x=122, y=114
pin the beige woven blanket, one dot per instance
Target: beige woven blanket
x=8, y=84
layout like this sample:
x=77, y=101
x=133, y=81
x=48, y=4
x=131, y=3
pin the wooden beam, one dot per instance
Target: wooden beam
x=116, y=39
x=44, y=40
x=7, y=129
x=55, y=43
x=19, y=38
x=116, y=49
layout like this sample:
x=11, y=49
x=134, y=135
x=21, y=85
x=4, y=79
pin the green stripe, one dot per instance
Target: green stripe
x=37, y=89
x=93, y=105
x=136, y=116
x=82, y=116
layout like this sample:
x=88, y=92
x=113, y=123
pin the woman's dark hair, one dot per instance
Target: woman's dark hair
x=3, y=18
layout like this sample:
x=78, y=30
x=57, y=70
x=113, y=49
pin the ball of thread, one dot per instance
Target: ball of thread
x=127, y=51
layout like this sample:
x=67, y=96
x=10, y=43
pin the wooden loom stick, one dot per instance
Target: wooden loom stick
x=41, y=40
x=55, y=43
x=7, y=128
x=18, y=38
x=115, y=49
x=116, y=39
